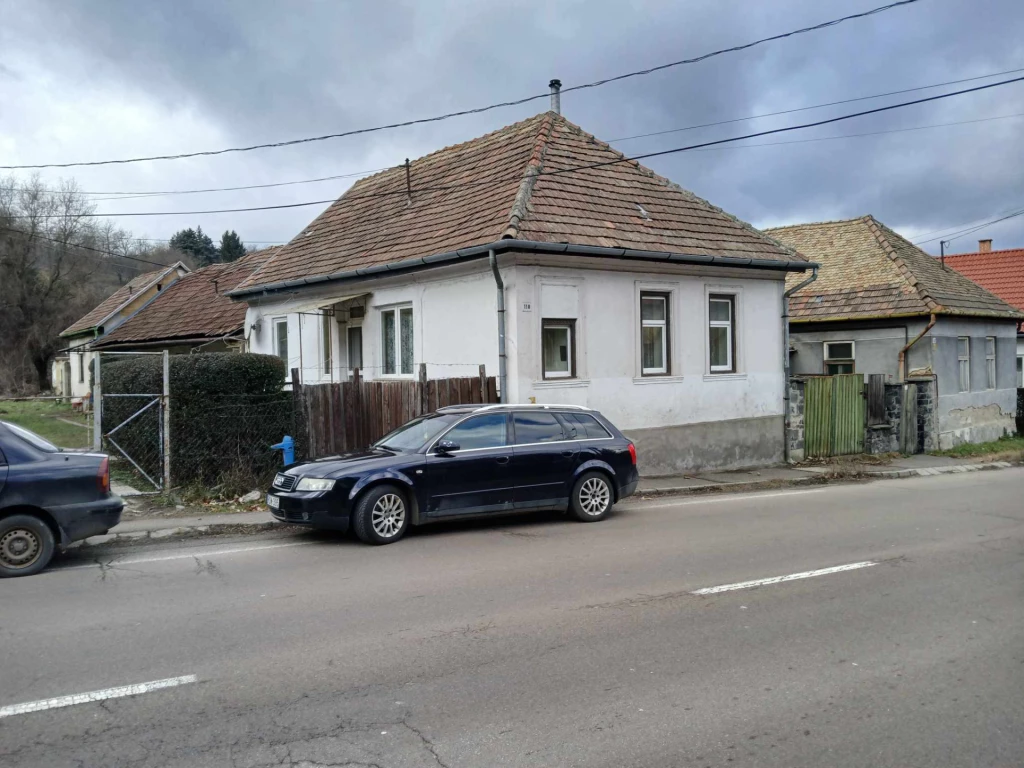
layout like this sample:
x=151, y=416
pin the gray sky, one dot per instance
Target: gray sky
x=121, y=78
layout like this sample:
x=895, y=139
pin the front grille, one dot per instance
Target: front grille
x=285, y=482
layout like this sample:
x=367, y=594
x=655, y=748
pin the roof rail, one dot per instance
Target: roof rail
x=535, y=406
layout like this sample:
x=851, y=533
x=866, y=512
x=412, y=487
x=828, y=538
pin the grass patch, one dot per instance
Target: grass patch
x=1004, y=445
x=57, y=422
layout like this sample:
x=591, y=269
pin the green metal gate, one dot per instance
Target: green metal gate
x=834, y=415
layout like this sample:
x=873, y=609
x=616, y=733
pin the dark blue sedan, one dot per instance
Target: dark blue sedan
x=49, y=497
x=464, y=461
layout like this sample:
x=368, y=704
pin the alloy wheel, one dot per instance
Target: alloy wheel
x=595, y=496
x=19, y=548
x=388, y=515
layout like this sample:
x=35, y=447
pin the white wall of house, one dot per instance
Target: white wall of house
x=81, y=366
x=735, y=417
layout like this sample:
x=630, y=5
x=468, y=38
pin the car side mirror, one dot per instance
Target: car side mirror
x=444, y=447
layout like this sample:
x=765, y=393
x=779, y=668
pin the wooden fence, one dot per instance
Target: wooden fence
x=350, y=415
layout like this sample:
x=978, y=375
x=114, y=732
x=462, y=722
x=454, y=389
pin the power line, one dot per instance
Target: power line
x=477, y=110
x=969, y=230
x=576, y=169
x=815, y=106
x=957, y=226
x=130, y=195
x=36, y=235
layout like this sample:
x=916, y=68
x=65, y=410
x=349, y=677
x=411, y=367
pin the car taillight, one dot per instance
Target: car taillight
x=632, y=453
x=103, y=476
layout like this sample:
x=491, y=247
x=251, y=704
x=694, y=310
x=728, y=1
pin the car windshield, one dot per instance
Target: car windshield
x=32, y=438
x=418, y=432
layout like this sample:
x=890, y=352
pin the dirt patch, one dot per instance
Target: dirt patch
x=137, y=507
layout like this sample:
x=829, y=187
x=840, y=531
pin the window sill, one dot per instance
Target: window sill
x=654, y=379
x=561, y=384
x=724, y=376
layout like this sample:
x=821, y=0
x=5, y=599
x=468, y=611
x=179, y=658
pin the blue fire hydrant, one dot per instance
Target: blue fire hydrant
x=287, y=448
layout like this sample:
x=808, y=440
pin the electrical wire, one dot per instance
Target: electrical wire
x=956, y=235
x=37, y=236
x=576, y=169
x=477, y=110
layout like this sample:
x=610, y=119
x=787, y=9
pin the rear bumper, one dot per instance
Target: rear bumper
x=92, y=518
x=316, y=510
x=628, y=488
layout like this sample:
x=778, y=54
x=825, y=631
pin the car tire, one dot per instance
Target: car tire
x=592, y=497
x=381, y=515
x=26, y=545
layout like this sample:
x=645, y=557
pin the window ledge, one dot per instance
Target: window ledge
x=724, y=376
x=657, y=379
x=561, y=383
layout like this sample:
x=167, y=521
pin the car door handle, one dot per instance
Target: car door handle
x=568, y=453
x=502, y=459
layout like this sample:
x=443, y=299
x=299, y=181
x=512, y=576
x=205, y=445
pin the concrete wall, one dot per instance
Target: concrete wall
x=688, y=419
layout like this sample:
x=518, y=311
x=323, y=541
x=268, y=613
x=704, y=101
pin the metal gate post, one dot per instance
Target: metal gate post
x=165, y=413
x=97, y=404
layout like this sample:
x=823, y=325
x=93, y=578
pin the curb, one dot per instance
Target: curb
x=179, y=532
x=931, y=471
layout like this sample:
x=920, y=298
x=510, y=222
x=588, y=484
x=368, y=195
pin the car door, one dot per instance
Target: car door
x=543, y=459
x=476, y=477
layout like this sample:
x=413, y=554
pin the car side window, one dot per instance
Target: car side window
x=586, y=426
x=537, y=428
x=487, y=431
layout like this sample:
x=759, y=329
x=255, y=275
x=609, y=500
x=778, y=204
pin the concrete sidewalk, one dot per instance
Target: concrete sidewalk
x=736, y=481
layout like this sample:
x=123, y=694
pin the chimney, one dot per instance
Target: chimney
x=984, y=246
x=556, y=96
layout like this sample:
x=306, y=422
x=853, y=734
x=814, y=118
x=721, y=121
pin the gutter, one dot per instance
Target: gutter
x=903, y=352
x=502, y=356
x=785, y=354
x=528, y=246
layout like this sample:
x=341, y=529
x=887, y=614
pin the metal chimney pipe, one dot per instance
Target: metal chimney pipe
x=556, y=96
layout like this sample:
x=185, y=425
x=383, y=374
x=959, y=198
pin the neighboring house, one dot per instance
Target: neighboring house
x=192, y=314
x=71, y=374
x=611, y=288
x=1001, y=272
x=882, y=305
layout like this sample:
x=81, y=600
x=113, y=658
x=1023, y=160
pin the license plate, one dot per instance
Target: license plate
x=273, y=501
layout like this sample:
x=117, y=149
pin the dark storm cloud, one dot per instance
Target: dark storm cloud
x=265, y=71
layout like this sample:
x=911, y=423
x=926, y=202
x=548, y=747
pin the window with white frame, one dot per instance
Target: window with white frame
x=281, y=339
x=990, y=362
x=654, y=334
x=722, y=333
x=326, y=340
x=558, y=348
x=396, y=337
x=963, y=356
x=839, y=357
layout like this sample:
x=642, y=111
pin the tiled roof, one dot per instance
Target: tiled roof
x=193, y=307
x=105, y=308
x=511, y=184
x=867, y=270
x=1001, y=272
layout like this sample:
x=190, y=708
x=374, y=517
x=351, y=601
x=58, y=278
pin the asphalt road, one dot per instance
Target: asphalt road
x=541, y=642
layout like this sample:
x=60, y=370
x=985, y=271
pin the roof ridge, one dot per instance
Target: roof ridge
x=986, y=253
x=824, y=223
x=876, y=227
x=534, y=166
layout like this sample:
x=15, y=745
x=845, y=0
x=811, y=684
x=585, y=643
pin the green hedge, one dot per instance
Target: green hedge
x=227, y=409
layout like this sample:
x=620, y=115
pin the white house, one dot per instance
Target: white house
x=607, y=285
x=70, y=370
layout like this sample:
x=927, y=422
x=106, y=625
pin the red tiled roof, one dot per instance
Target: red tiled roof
x=510, y=184
x=193, y=307
x=868, y=270
x=1001, y=272
x=105, y=308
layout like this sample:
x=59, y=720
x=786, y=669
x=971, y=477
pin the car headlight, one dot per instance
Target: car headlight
x=314, y=484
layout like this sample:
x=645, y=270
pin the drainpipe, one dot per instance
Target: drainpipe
x=502, y=357
x=785, y=355
x=903, y=352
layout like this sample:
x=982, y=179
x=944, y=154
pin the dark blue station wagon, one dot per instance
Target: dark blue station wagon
x=461, y=461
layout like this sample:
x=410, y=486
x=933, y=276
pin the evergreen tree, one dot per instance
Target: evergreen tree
x=231, y=246
x=197, y=244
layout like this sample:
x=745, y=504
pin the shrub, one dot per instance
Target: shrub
x=227, y=409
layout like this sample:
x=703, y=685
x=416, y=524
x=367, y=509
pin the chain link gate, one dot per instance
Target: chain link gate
x=136, y=425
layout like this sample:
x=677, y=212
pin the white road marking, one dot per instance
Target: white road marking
x=780, y=579
x=730, y=497
x=85, y=698
x=190, y=555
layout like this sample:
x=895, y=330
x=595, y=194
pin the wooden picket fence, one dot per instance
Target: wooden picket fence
x=350, y=415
